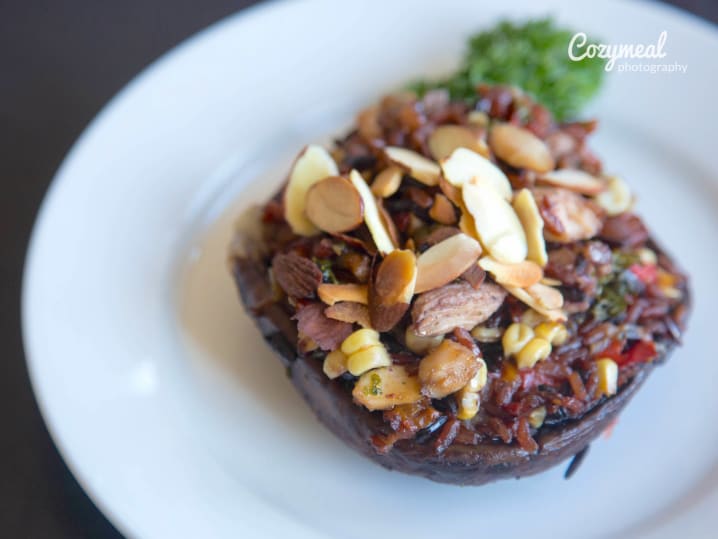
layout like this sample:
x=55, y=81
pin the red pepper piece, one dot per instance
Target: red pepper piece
x=646, y=273
x=613, y=351
x=641, y=352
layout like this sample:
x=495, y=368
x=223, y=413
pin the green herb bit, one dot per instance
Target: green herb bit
x=325, y=266
x=374, y=385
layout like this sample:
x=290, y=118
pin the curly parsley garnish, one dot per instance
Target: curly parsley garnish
x=532, y=56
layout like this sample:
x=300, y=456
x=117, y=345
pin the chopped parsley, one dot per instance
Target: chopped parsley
x=614, y=288
x=325, y=266
x=374, y=385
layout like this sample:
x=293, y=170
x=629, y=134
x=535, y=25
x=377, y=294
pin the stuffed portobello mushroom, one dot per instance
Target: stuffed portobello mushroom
x=457, y=289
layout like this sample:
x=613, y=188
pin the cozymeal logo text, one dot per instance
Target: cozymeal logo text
x=579, y=48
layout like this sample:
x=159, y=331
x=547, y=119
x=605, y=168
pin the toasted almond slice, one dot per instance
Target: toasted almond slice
x=331, y=293
x=349, y=311
x=574, y=180
x=497, y=224
x=556, y=315
x=388, y=223
x=464, y=166
x=396, y=278
x=391, y=289
x=418, y=166
x=616, y=198
x=387, y=182
x=521, y=274
x=450, y=191
x=549, y=281
x=547, y=296
x=334, y=205
x=312, y=165
x=446, y=138
x=442, y=211
x=371, y=214
x=386, y=387
x=446, y=261
x=532, y=223
x=468, y=226
x=520, y=148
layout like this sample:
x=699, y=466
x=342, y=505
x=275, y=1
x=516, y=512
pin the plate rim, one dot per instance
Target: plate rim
x=243, y=16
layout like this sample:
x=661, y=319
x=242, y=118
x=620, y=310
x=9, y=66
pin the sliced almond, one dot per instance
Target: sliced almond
x=520, y=148
x=548, y=281
x=312, y=165
x=386, y=387
x=349, y=311
x=464, y=166
x=387, y=182
x=468, y=226
x=334, y=205
x=373, y=220
x=391, y=289
x=446, y=138
x=418, y=166
x=447, y=368
x=446, y=261
x=528, y=213
x=388, y=223
x=546, y=296
x=521, y=274
x=568, y=216
x=497, y=224
x=331, y=293
x=442, y=210
x=450, y=191
x=556, y=315
x=617, y=197
x=574, y=180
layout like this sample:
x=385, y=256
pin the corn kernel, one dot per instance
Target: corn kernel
x=368, y=358
x=484, y=334
x=554, y=332
x=647, y=256
x=478, y=382
x=536, y=350
x=607, y=377
x=335, y=364
x=537, y=417
x=362, y=338
x=516, y=337
x=421, y=345
x=468, y=404
x=509, y=373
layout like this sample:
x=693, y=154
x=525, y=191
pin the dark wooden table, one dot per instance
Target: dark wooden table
x=60, y=62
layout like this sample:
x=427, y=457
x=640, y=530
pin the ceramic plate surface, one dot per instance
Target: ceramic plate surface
x=169, y=408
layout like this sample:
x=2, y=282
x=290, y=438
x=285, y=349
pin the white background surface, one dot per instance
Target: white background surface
x=175, y=416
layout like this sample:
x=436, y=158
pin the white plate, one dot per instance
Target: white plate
x=174, y=415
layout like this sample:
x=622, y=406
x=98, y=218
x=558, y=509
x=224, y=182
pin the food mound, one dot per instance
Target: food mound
x=459, y=291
